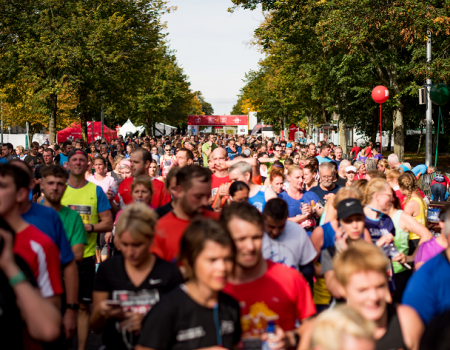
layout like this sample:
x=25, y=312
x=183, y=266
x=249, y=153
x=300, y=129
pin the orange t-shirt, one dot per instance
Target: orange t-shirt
x=168, y=233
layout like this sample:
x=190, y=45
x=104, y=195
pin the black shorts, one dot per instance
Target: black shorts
x=86, y=275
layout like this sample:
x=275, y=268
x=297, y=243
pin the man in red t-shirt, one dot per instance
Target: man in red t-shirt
x=32, y=245
x=265, y=290
x=220, y=176
x=355, y=150
x=140, y=160
x=191, y=199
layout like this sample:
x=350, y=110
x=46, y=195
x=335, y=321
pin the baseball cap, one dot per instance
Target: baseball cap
x=350, y=168
x=349, y=207
x=76, y=151
x=289, y=145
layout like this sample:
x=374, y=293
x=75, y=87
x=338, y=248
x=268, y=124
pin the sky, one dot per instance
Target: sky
x=211, y=45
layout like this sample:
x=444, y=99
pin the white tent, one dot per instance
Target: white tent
x=129, y=127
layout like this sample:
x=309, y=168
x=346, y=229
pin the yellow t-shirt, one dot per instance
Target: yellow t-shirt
x=421, y=218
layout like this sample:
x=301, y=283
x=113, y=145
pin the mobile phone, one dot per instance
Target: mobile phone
x=113, y=303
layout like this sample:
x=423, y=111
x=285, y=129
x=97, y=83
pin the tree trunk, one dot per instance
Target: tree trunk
x=53, y=115
x=343, y=136
x=310, y=125
x=399, y=132
x=84, y=116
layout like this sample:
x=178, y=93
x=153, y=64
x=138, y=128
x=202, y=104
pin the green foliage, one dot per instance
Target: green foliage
x=67, y=57
x=325, y=57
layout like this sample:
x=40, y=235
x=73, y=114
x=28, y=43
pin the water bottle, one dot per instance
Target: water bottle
x=114, y=188
x=270, y=334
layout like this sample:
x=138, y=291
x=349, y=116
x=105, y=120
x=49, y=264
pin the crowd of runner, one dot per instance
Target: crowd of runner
x=220, y=241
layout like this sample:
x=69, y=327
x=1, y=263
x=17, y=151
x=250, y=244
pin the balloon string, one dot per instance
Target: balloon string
x=381, y=133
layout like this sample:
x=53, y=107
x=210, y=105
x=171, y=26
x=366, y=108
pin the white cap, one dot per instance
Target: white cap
x=350, y=168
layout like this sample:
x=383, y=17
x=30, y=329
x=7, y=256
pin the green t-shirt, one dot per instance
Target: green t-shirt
x=205, y=147
x=76, y=234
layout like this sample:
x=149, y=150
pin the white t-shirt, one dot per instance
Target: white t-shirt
x=292, y=248
x=105, y=184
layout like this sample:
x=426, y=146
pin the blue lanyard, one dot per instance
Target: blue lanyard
x=379, y=213
x=217, y=324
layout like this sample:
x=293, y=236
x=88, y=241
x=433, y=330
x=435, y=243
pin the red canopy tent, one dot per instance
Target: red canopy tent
x=74, y=132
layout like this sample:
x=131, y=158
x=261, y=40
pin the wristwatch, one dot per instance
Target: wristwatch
x=75, y=307
x=92, y=228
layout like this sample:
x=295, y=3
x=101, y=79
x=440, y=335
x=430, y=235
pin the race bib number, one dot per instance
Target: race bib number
x=140, y=302
x=85, y=212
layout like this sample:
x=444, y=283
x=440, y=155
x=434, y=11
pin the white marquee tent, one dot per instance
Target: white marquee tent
x=129, y=127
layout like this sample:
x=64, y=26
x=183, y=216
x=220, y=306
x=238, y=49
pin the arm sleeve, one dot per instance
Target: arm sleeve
x=65, y=249
x=158, y=328
x=421, y=294
x=305, y=304
x=326, y=261
x=50, y=275
x=102, y=201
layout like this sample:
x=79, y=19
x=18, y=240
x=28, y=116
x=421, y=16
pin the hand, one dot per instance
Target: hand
x=278, y=342
x=110, y=194
x=132, y=322
x=109, y=311
x=70, y=323
x=329, y=196
x=341, y=239
x=306, y=209
x=87, y=227
x=400, y=257
x=108, y=237
x=386, y=239
x=223, y=190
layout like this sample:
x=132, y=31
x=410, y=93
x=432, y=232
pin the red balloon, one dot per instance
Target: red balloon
x=380, y=94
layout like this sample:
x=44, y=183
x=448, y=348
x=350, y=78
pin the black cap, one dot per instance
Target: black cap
x=349, y=207
x=77, y=151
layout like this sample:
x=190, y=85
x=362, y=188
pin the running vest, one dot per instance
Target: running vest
x=393, y=338
x=421, y=218
x=84, y=201
x=259, y=199
x=400, y=240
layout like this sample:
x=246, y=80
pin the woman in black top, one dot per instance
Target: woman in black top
x=127, y=286
x=362, y=272
x=197, y=314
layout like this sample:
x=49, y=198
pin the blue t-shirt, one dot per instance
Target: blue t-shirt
x=379, y=227
x=294, y=205
x=337, y=162
x=378, y=156
x=47, y=220
x=404, y=167
x=321, y=193
x=428, y=290
x=3, y=160
x=422, y=168
x=231, y=154
x=323, y=159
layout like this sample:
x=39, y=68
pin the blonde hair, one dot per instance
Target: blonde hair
x=347, y=192
x=360, y=256
x=408, y=182
x=384, y=163
x=374, y=186
x=293, y=168
x=117, y=160
x=138, y=219
x=334, y=325
x=358, y=164
x=392, y=174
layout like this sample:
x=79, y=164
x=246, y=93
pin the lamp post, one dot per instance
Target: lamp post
x=102, y=118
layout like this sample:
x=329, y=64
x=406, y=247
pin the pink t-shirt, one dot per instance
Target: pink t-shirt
x=428, y=250
x=105, y=184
